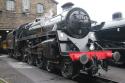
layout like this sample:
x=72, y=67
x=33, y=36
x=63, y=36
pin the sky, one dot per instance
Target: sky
x=98, y=10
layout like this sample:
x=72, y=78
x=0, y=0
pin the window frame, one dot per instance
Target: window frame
x=37, y=9
x=14, y=5
x=23, y=4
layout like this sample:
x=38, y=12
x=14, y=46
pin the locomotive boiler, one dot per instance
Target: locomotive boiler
x=61, y=42
x=112, y=31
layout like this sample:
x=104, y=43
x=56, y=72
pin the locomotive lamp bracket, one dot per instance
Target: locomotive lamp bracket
x=92, y=47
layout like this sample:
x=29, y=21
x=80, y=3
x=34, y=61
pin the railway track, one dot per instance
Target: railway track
x=114, y=75
x=87, y=79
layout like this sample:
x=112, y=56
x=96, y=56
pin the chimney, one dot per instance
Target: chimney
x=67, y=6
x=117, y=16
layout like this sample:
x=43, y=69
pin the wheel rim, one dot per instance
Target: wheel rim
x=49, y=67
x=67, y=70
x=30, y=60
x=25, y=57
x=93, y=69
x=39, y=63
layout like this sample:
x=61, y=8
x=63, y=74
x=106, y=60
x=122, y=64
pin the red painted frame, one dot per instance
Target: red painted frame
x=101, y=55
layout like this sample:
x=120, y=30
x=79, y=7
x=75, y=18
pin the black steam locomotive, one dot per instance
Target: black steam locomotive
x=61, y=42
x=110, y=36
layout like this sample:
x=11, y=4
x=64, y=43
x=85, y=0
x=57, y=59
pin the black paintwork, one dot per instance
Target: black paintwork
x=114, y=31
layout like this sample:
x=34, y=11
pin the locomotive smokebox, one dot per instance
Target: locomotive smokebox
x=78, y=23
x=75, y=22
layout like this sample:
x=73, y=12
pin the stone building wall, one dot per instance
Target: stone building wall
x=12, y=19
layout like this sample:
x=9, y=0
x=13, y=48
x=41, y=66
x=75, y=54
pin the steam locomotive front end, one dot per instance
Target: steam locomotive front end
x=92, y=61
x=78, y=23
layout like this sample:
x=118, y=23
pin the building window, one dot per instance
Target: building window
x=10, y=5
x=40, y=8
x=25, y=6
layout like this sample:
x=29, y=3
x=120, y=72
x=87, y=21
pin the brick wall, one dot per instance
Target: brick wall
x=10, y=20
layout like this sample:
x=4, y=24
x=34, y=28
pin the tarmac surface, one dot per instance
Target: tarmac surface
x=14, y=71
